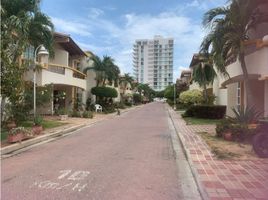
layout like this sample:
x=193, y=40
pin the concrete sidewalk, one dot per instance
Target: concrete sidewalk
x=50, y=134
x=221, y=179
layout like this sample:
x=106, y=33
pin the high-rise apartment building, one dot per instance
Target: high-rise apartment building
x=153, y=62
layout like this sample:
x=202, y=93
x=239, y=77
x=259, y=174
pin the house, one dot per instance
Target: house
x=64, y=72
x=186, y=76
x=257, y=66
x=90, y=78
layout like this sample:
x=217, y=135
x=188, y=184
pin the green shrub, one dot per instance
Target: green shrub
x=75, y=113
x=240, y=132
x=38, y=120
x=109, y=109
x=61, y=112
x=247, y=115
x=137, y=98
x=104, y=92
x=222, y=127
x=128, y=104
x=191, y=97
x=119, y=105
x=169, y=92
x=87, y=114
x=206, y=111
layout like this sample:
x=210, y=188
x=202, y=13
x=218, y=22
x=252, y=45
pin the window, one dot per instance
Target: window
x=29, y=53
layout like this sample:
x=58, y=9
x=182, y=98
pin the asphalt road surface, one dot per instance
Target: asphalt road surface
x=128, y=157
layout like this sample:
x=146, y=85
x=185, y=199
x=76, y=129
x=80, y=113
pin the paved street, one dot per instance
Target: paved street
x=128, y=157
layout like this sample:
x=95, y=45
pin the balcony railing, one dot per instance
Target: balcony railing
x=61, y=69
x=56, y=69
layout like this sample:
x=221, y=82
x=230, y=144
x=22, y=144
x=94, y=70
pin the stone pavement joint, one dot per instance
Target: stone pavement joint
x=221, y=179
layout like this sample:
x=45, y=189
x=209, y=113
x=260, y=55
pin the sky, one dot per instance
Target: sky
x=110, y=27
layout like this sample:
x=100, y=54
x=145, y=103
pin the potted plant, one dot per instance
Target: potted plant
x=18, y=134
x=37, y=127
x=63, y=114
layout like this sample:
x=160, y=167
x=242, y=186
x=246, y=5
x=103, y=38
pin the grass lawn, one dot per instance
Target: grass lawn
x=228, y=150
x=3, y=134
x=28, y=124
x=46, y=124
x=199, y=121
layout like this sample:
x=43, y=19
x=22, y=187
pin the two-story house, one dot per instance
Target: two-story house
x=64, y=72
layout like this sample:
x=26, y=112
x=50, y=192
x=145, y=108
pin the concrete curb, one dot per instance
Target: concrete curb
x=27, y=143
x=188, y=157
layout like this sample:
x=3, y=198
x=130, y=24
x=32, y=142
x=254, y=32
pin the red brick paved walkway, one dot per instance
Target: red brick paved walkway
x=221, y=179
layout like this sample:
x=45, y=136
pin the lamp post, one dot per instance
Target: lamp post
x=39, y=51
x=175, y=96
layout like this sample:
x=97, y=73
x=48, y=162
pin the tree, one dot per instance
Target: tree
x=204, y=74
x=191, y=97
x=22, y=24
x=146, y=91
x=98, y=67
x=124, y=81
x=169, y=93
x=104, y=94
x=228, y=30
x=112, y=71
x=105, y=70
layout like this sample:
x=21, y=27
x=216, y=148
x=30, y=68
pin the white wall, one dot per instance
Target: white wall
x=266, y=98
x=256, y=62
x=221, y=94
x=65, y=79
x=61, y=56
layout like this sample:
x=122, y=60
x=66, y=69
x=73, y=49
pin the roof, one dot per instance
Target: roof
x=197, y=57
x=68, y=44
x=186, y=73
x=195, y=60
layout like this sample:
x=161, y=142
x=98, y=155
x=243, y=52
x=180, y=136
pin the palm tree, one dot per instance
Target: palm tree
x=229, y=28
x=24, y=24
x=124, y=81
x=112, y=71
x=105, y=70
x=98, y=67
x=204, y=73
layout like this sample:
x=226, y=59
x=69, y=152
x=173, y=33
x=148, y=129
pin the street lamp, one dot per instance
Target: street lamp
x=39, y=51
x=175, y=96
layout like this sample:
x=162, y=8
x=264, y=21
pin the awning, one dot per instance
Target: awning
x=239, y=78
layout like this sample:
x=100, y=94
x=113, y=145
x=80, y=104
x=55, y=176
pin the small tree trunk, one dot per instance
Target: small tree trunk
x=249, y=98
x=206, y=93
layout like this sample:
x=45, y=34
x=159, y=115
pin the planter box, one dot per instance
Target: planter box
x=63, y=117
x=15, y=137
x=37, y=130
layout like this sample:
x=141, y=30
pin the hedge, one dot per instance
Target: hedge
x=206, y=111
x=104, y=92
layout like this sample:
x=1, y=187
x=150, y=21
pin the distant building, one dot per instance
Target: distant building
x=186, y=76
x=153, y=62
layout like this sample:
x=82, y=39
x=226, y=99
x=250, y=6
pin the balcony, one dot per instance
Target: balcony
x=256, y=63
x=60, y=74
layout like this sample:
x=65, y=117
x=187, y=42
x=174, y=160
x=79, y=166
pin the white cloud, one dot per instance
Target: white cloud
x=69, y=27
x=116, y=40
x=95, y=13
